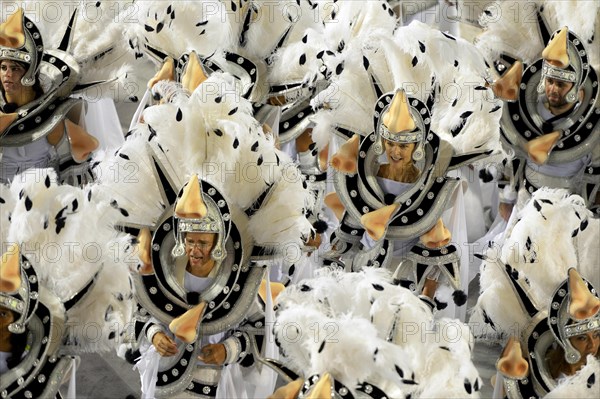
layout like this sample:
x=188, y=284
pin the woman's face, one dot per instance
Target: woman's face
x=6, y=318
x=587, y=344
x=11, y=73
x=399, y=154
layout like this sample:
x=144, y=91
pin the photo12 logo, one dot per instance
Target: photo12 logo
x=60, y=11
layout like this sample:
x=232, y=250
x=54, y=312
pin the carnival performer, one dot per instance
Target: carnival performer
x=201, y=258
x=87, y=270
x=238, y=206
x=41, y=113
x=554, y=332
x=396, y=211
x=559, y=352
x=93, y=288
x=587, y=344
x=197, y=273
x=33, y=320
x=549, y=83
x=300, y=70
x=251, y=62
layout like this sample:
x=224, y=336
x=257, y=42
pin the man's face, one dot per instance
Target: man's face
x=198, y=247
x=556, y=91
x=11, y=73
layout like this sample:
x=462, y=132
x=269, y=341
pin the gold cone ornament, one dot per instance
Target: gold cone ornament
x=555, y=52
x=345, y=160
x=507, y=87
x=185, y=327
x=323, y=389
x=190, y=205
x=82, y=143
x=11, y=30
x=437, y=237
x=276, y=289
x=397, y=118
x=540, y=147
x=512, y=364
x=288, y=391
x=332, y=200
x=6, y=120
x=583, y=304
x=166, y=72
x=376, y=222
x=194, y=75
x=145, y=251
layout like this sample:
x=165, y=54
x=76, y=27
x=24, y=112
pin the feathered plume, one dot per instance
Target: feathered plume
x=88, y=269
x=401, y=349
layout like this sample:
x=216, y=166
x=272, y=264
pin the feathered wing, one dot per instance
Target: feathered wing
x=464, y=111
x=348, y=100
x=447, y=362
x=491, y=316
x=331, y=50
x=86, y=268
x=511, y=27
x=542, y=250
x=401, y=350
x=91, y=38
x=226, y=146
x=539, y=253
x=176, y=28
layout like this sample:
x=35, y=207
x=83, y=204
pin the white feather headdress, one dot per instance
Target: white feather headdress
x=513, y=27
x=415, y=59
x=96, y=41
x=212, y=133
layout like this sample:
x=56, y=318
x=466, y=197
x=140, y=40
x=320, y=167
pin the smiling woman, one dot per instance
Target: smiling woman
x=401, y=167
